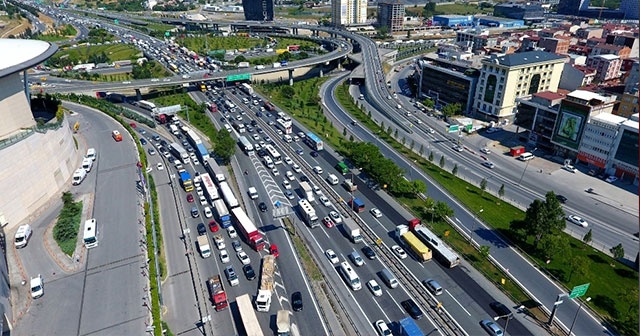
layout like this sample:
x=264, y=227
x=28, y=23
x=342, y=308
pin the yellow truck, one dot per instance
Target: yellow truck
x=420, y=250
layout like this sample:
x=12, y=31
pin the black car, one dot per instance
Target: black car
x=249, y=272
x=262, y=207
x=304, y=178
x=254, y=123
x=561, y=199
x=314, y=154
x=262, y=153
x=296, y=301
x=412, y=308
x=202, y=230
x=501, y=309
x=369, y=252
x=143, y=141
x=163, y=143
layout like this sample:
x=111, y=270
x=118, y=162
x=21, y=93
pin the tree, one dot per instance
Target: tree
x=225, y=146
x=429, y=206
x=454, y=171
x=421, y=150
x=429, y=9
x=344, y=131
x=418, y=186
x=553, y=245
x=442, y=210
x=239, y=59
x=483, y=185
x=287, y=92
x=442, y=161
x=413, y=143
x=578, y=265
x=452, y=109
x=484, y=251
x=395, y=134
x=501, y=191
x=617, y=251
x=404, y=140
x=428, y=103
x=389, y=130
x=587, y=237
x=542, y=218
x=383, y=31
x=431, y=156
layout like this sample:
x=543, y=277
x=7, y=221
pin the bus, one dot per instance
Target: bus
x=116, y=136
x=248, y=316
x=440, y=250
x=277, y=159
x=350, y=276
x=342, y=168
x=210, y=189
x=284, y=126
x=147, y=105
x=227, y=194
x=245, y=145
x=90, y=236
x=246, y=88
x=314, y=142
x=173, y=67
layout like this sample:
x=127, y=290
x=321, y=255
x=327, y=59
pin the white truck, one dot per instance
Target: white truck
x=174, y=129
x=263, y=299
x=353, y=230
x=283, y=323
x=308, y=191
x=203, y=246
x=219, y=241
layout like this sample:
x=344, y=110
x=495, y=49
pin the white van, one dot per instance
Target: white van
x=253, y=193
x=91, y=154
x=268, y=162
x=332, y=179
x=287, y=138
x=22, y=235
x=79, y=175
x=526, y=156
x=87, y=163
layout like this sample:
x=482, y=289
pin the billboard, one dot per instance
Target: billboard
x=570, y=124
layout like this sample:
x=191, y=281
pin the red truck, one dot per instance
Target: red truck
x=162, y=118
x=218, y=296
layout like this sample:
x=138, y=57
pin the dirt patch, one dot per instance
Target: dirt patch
x=15, y=27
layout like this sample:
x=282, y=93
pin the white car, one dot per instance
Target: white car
x=485, y=150
x=399, y=251
x=316, y=190
x=286, y=184
x=37, y=287
x=611, y=179
x=375, y=212
x=488, y=164
x=431, y=130
x=577, y=220
x=296, y=168
x=383, y=329
x=318, y=170
x=203, y=200
x=325, y=201
x=199, y=191
x=569, y=168
x=374, y=287
x=224, y=256
x=333, y=258
x=207, y=212
x=244, y=258
x=275, y=172
x=160, y=166
x=290, y=175
x=232, y=232
x=288, y=160
x=458, y=148
x=336, y=217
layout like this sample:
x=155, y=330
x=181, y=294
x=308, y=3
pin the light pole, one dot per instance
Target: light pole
x=576, y=316
x=526, y=166
x=506, y=325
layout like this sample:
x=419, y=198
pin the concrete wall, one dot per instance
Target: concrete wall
x=36, y=170
x=15, y=112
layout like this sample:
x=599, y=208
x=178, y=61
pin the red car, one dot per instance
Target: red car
x=189, y=198
x=327, y=222
x=273, y=250
x=213, y=226
x=133, y=125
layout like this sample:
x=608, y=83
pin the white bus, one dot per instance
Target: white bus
x=284, y=126
x=147, y=105
x=90, y=236
x=350, y=276
x=277, y=159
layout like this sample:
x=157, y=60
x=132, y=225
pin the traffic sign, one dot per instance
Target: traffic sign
x=453, y=128
x=235, y=78
x=167, y=33
x=579, y=291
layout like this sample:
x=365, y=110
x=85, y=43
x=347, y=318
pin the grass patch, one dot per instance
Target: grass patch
x=156, y=69
x=199, y=44
x=65, y=232
x=84, y=54
x=308, y=262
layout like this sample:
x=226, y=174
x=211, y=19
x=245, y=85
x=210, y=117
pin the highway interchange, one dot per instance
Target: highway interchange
x=464, y=300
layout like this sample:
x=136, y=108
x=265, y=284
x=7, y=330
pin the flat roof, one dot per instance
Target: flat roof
x=587, y=95
x=610, y=118
x=22, y=54
x=527, y=57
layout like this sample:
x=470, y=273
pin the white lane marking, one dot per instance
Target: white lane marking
x=454, y=299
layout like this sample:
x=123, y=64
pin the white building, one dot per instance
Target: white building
x=348, y=12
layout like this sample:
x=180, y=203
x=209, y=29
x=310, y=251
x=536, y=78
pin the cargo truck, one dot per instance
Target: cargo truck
x=408, y=327
x=441, y=251
x=203, y=246
x=419, y=249
x=350, y=186
x=250, y=232
x=353, y=230
x=222, y=214
x=179, y=152
x=307, y=191
x=263, y=299
x=356, y=204
x=185, y=181
x=216, y=289
x=283, y=323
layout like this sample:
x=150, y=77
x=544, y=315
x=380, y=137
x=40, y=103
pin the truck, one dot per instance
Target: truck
x=185, y=181
x=203, y=246
x=408, y=327
x=356, y=204
x=307, y=190
x=276, y=65
x=263, y=299
x=308, y=213
x=420, y=250
x=219, y=240
x=349, y=185
x=222, y=214
x=353, y=230
x=283, y=323
x=250, y=232
x=243, y=64
x=441, y=251
x=179, y=152
x=161, y=118
x=174, y=129
x=216, y=289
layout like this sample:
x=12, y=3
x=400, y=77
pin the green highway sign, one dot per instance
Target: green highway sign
x=453, y=128
x=579, y=291
x=167, y=33
x=241, y=77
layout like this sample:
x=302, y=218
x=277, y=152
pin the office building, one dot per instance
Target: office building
x=504, y=78
x=453, y=20
x=571, y=7
x=606, y=66
x=475, y=39
x=611, y=49
x=258, y=10
x=391, y=15
x=528, y=12
x=556, y=45
x=448, y=81
x=537, y=114
x=625, y=38
x=497, y=22
x=348, y=12
x=628, y=105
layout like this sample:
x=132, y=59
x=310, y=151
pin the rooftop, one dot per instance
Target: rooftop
x=609, y=57
x=23, y=54
x=587, y=95
x=610, y=118
x=524, y=58
x=549, y=95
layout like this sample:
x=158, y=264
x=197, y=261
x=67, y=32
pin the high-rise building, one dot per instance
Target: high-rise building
x=391, y=15
x=504, y=78
x=630, y=8
x=348, y=12
x=571, y=7
x=530, y=12
x=258, y=10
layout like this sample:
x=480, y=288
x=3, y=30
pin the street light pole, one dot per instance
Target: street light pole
x=576, y=316
x=474, y=223
x=526, y=166
x=506, y=325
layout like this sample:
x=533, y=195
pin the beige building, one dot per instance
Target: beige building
x=504, y=78
x=348, y=12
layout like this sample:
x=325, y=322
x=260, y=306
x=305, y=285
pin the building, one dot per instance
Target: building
x=537, y=114
x=492, y=21
x=631, y=83
x=628, y=105
x=348, y=12
x=447, y=81
x=625, y=38
x=475, y=39
x=391, y=15
x=453, y=20
x=611, y=49
x=507, y=77
x=258, y=10
x=630, y=8
x=624, y=163
x=575, y=112
x=528, y=12
x=571, y=7
x=587, y=33
x=606, y=66
x=576, y=76
x=555, y=45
